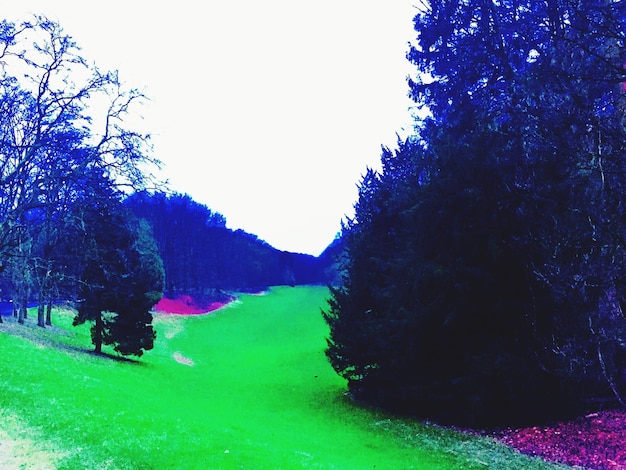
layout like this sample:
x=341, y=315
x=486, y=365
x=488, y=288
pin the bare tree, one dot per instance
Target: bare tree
x=59, y=117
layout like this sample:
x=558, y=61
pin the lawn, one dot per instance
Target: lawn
x=245, y=387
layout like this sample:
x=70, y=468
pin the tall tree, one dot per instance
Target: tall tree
x=60, y=118
x=485, y=262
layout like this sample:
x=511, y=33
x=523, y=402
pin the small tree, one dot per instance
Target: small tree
x=131, y=330
x=122, y=278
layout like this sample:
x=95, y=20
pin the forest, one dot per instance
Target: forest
x=485, y=268
x=202, y=257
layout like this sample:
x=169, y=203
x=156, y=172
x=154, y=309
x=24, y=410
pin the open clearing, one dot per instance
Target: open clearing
x=260, y=395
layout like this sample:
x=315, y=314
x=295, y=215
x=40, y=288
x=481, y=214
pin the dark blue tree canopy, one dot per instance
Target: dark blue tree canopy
x=485, y=265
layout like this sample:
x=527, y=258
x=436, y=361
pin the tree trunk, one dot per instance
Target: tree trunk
x=41, y=319
x=97, y=333
x=609, y=378
x=49, y=313
x=21, y=312
x=24, y=303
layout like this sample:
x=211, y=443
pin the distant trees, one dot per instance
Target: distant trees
x=485, y=264
x=64, y=136
x=203, y=257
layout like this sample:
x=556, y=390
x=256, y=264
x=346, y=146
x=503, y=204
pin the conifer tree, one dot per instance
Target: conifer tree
x=121, y=278
x=485, y=262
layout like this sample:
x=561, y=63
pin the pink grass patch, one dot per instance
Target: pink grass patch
x=594, y=441
x=186, y=305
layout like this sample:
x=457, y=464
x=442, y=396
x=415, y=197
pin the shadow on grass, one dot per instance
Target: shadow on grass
x=114, y=357
x=105, y=355
x=53, y=337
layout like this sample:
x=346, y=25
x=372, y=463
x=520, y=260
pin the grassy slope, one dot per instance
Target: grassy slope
x=259, y=395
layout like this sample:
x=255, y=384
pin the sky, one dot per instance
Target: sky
x=268, y=112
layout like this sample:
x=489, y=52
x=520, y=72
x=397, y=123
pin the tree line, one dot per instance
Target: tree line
x=485, y=271
x=203, y=257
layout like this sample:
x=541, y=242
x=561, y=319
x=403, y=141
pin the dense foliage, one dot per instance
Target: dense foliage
x=203, y=257
x=485, y=265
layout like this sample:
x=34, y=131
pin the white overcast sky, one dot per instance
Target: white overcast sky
x=268, y=112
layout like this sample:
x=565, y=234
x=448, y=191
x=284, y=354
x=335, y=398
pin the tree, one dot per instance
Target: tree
x=485, y=263
x=60, y=118
x=122, y=277
x=131, y=332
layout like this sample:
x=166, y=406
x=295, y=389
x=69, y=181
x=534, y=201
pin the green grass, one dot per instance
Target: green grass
x=259, y=395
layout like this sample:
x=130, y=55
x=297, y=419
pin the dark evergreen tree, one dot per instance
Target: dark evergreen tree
x=121, y=278
x=131, y=331
x=485, y=263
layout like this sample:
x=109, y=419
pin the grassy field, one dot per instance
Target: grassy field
x=246, y=387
